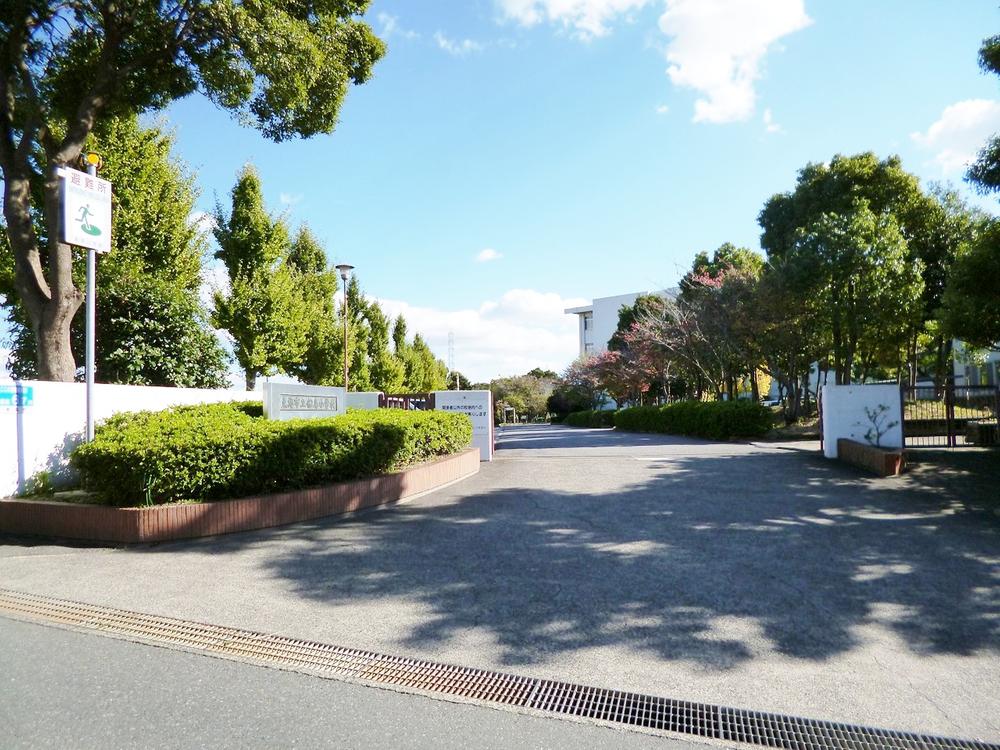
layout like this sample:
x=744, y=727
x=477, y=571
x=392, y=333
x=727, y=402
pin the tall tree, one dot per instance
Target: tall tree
x=64, y=66
x=971, y=301
x=424, y=372
x=263, y=309
x=151, y=326
x=399, y=335
x=320, y=363
x=985, y=172
x=857, y=266
x=386, y=371
x=886, y=189
x=359, y=332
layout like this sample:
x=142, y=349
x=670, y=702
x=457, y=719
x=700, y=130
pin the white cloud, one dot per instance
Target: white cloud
x=203, y=221
x=522, y=329
x=456, y=47
x=770, y=125
x=289, y=199
x=716, y=47
x=391, y=27
x=214, y=278
x=487, y=254
x=962, y=129
x=662, y=109
x=587, y=18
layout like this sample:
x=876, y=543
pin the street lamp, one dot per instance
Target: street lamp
x=345, y=274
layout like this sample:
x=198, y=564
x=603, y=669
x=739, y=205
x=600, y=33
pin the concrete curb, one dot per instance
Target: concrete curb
x=167, y=522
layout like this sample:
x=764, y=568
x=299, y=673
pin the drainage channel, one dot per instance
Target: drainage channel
x=545, y=696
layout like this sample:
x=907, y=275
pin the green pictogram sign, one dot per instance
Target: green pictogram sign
x=86, y=215
x=85, y=225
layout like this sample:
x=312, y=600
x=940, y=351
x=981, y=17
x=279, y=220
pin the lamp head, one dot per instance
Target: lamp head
x=345, y=271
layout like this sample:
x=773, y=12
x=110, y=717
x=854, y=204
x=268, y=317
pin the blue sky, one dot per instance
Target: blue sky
x=593, y=146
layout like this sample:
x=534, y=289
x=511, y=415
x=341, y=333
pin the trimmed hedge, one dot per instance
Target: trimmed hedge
x=218, y=451
x=715, y=420
x=590, y=418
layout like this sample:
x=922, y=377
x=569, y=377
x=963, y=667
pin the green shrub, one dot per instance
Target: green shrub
x=217, y=451
x=590, y=418
x=715, y=420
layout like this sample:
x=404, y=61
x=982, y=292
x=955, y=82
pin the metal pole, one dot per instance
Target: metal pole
x=345, y=336
x=91, y=326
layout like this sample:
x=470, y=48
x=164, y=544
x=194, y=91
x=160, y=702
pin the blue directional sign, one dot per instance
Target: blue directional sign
x=16, y=396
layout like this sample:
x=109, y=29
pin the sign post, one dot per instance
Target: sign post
x=86, y=223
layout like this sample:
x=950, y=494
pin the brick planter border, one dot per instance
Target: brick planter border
x=885, y=462
x=165, y=522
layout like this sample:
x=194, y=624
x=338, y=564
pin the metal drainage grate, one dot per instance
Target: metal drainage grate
x=562, y=698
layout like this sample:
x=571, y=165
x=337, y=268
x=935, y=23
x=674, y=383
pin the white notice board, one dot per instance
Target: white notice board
x=479, y=406
x=86, y=210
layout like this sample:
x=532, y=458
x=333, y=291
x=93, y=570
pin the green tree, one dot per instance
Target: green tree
x=387, y=372
x=399, y=335
x=857, y=268
x=985, y=172
x=321, y=361
x=526, y=394
x=887, y=189
x=151, y=326
x=424, y=372
x=64, y=67
x=971, y=301
x=465, y=384
x=263, y=310
x=359, y=333
x=538, y=372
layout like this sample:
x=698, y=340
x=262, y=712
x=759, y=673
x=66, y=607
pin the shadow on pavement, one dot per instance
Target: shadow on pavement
x=695, y=563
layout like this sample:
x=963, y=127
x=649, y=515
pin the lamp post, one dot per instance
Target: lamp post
x=345, y=274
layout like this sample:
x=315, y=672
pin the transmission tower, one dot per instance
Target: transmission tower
x=451, y=360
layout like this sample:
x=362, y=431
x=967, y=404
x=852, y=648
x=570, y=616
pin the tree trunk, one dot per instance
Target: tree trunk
x=251, y=378
x=52, y=342
x=49, y=303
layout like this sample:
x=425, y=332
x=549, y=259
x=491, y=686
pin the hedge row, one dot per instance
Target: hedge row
x=590, y=419
x=715, y=420
x=217, y=451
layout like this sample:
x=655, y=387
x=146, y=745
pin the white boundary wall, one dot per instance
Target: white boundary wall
x=366, y=400
x=40, y=434
x=844, y=414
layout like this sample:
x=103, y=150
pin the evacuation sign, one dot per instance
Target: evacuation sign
x=86, y=210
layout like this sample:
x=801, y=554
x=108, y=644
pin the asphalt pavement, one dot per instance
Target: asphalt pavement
x=62, y=689
x=749, y=575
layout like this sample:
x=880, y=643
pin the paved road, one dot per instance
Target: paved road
x=746, y=575
x=63, y=689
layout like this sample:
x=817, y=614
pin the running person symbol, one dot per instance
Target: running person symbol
x=85, y=225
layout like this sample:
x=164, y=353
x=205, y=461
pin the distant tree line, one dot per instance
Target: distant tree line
x=279, y=303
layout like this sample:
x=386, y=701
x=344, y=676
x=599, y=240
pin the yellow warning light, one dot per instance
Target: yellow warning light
x=91, y=159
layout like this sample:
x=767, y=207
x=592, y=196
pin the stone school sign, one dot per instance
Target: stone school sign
x=294, y=401
x=479, y=406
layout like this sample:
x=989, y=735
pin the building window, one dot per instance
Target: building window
x=588, y=348
x=588, y=321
